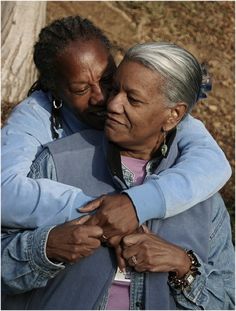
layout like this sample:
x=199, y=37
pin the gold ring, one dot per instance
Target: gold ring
x=134, y=260
x=104, y=238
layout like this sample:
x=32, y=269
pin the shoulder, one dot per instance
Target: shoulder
x=190, y=123
x=84, y=139
x=192, y=131
x=30, y=117
x=37, y=102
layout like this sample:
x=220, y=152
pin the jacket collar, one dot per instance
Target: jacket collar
x=115, y=165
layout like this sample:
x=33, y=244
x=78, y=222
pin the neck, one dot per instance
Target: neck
x=136, y=155
x=143, y=153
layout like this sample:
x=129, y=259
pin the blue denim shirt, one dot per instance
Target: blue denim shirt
x=29, y=203
x=24, y=261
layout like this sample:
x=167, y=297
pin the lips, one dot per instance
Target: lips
x=111, y=120
x=98, y=113
x=101, y=113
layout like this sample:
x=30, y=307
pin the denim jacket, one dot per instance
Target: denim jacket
x=29, y=203
x=24, y=264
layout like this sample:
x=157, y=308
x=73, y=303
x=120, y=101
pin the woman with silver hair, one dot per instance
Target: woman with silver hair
x=180, y=70
x=182, y=262
x=75, y=65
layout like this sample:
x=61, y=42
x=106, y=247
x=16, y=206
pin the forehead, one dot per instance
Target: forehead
x=135, y=75
x=79, y=58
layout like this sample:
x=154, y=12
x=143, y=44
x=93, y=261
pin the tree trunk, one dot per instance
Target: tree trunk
x=21, y=23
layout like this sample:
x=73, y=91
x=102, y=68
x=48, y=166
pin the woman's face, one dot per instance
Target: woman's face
x=136, y=111
x=84, y=76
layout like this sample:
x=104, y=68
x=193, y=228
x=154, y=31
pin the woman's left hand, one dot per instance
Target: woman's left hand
x=148, y=252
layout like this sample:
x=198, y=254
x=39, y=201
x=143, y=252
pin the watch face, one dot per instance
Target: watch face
x=190, y=279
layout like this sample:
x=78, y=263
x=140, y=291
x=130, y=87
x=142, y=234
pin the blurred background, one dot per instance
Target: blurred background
x=205, y=28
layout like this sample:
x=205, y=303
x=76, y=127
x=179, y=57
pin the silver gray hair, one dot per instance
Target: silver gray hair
x=181, y=72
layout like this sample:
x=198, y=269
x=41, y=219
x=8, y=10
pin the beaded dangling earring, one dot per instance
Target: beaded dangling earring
x=164, y=147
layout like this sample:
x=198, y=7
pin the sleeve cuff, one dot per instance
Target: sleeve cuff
x=37, y=252
x=195, y=291
x=148, y=200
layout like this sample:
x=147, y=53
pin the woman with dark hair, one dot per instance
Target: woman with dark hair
x=75, y=66
x=182, y=262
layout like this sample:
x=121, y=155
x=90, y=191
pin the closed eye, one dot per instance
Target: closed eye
x=133, y=100
x=80, y=92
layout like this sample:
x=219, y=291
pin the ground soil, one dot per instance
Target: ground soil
x=204, y=28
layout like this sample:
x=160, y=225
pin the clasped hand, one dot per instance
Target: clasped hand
x=115, y=219
x=73, y=240
x=154, y=254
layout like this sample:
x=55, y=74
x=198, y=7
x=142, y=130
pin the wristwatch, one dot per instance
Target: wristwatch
x=189, y=277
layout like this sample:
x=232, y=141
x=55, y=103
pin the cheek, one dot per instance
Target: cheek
x=157, y=118
x=80, y=103
x=146, y=126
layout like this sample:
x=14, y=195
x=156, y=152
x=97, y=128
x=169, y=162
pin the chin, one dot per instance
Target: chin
x=112, y=135
x=109, y=133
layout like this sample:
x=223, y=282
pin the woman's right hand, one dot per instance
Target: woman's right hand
x=73, y=240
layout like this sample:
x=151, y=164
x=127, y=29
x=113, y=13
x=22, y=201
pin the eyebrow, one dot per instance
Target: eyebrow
x=106, y=70
x=77, y=83
x=136, y=92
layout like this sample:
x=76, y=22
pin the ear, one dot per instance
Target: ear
x=176, y=114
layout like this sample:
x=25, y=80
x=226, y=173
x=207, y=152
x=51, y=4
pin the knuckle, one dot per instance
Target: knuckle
x=146, y=248
x=123, y=230
x=102, y=197
x=112, y=242
x=78, y=229
x=151, y=269
x=74, y=250
x=148, y=257
x=105, y=215
x=73, y=257
x=148, y=261
x=125, y=254
x=97, y=243
x=126, y=241
x=78, y=240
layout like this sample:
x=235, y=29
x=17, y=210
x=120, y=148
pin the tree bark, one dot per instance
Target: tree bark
x=21, y=24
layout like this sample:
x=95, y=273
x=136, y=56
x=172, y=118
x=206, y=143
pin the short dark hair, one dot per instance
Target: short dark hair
x=54, y=38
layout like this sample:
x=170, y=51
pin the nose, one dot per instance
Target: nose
x=116, y=104
x=97, y=96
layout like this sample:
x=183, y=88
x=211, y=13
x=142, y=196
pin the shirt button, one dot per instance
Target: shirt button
x=139, y=305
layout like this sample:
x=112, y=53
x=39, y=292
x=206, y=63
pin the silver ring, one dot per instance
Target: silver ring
x=134, y=260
